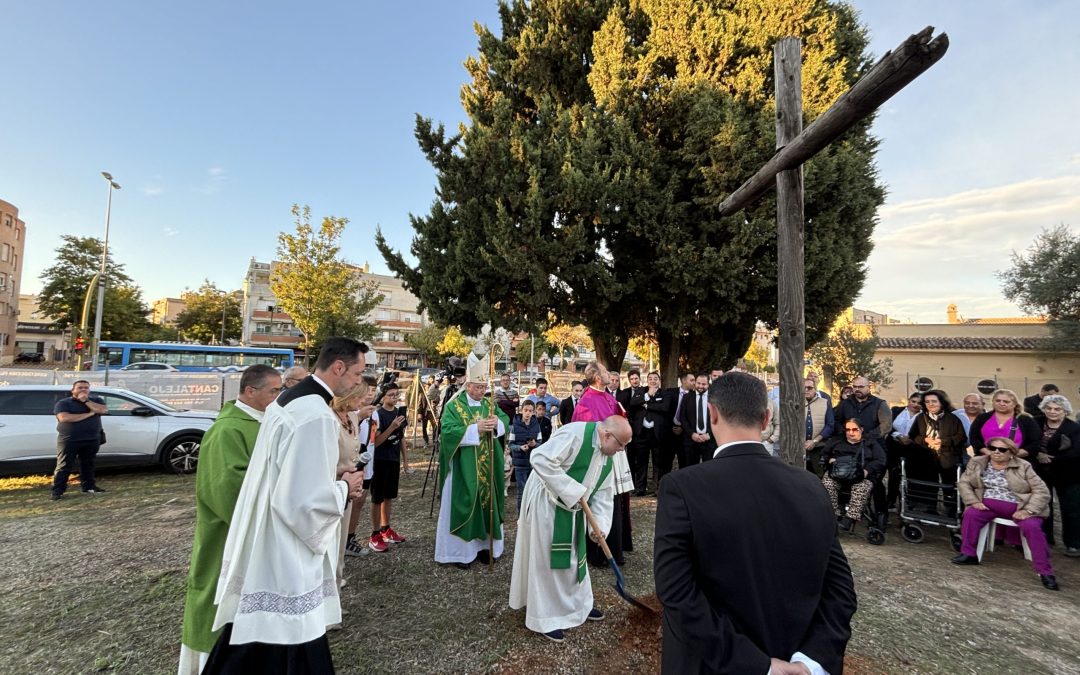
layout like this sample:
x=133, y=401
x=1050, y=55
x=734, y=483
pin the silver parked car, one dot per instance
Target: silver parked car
x=138, y=429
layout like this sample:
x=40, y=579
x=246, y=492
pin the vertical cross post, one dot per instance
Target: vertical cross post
x=787, y=68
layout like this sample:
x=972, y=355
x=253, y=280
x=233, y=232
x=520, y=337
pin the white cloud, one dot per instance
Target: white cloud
x=216, y=179
x=932, y=252
x=170, y=232
x=152, y=190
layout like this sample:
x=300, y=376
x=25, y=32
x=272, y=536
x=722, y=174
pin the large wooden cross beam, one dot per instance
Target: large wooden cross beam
x=794, y=146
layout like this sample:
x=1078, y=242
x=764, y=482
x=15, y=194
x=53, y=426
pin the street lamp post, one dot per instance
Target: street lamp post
x=112, y=185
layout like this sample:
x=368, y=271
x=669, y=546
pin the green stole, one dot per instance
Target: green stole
x=569, y=532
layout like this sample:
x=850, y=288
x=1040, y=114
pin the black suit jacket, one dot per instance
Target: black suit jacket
x=689, y=414
x=566, y=410
x=305, y=387
x=657, y=410
x=748, y=566
x=1031, y=405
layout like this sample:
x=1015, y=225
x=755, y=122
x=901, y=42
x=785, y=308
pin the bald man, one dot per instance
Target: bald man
x=551, y=577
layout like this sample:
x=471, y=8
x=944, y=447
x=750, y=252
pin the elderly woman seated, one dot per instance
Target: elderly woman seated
x=855, y=464
x=1001, y=485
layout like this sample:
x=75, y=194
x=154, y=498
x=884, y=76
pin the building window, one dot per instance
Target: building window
x=14, y=261
x=5, y=253
x=8, y=220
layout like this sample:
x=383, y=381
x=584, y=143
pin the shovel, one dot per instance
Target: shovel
x=620, y=583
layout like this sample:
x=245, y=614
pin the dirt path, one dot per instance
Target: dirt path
x=95, y=584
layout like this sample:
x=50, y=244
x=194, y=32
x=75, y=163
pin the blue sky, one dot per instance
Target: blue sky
x=217, y=117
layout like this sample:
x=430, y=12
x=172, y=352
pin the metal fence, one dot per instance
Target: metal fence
x=188, y=391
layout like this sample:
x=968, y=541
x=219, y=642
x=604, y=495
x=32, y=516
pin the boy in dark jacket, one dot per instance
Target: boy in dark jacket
x=524, y=436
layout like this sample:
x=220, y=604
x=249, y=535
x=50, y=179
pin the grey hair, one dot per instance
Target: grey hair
x=1056, y=399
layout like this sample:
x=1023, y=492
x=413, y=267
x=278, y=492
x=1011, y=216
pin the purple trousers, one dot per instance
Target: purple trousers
x=1030, y=529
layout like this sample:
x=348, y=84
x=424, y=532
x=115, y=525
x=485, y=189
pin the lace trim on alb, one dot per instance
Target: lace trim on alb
x=265, y=601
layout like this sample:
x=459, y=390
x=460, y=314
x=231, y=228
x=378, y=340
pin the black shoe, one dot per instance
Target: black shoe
x=967, y=560
x=94, y=490
x=597, y=615
x=639, y=493
x=463, y=566
x=1049, y=582
x=57, y=497
x=555, y=636
x=845, y=524
x=483, y=557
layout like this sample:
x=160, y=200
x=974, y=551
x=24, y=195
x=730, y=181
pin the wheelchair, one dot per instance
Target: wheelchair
x=876, y=519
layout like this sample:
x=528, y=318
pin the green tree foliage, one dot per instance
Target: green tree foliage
x=533, y=348
x=846, y=353
x=455, y=343
x=206, y=309
x=1045, y=279
x=66, y=281
x=426, y=341
x=602, y=136
x=323, y=294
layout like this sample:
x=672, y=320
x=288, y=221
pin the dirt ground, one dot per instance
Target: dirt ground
x=95, y=583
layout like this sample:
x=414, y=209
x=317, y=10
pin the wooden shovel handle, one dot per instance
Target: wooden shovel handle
x=593, y=526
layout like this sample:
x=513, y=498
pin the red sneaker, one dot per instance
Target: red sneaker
x=391, y=537
x=377, y=544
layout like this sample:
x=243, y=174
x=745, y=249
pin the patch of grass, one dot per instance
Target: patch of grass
x=104, y=576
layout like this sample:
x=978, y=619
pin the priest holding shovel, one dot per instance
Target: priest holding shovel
x=551, y=576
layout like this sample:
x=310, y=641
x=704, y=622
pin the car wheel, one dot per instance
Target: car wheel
x=181, y=454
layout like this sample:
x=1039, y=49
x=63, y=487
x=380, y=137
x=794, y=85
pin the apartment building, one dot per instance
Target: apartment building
x=12, y=244
x=396, y=316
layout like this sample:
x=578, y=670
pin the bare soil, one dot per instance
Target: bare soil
x=95, y=583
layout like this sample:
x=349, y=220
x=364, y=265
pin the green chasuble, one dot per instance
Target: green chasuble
x=223, y=460
x=476, y=497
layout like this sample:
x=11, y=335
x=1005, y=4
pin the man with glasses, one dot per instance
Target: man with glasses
x=550, y=577
x=897, y=442
x=819, y=425
x=223, y=459
x=293, y=376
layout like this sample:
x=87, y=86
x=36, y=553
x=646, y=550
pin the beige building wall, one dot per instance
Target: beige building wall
x=397, y=315
x=164, y=311
x=37, y=333
x=12, y=245
x=959, y=371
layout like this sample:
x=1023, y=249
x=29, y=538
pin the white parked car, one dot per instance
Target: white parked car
x=151, y=365
x=138, y=429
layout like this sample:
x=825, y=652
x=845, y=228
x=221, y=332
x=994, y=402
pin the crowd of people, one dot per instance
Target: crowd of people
x=298, y=456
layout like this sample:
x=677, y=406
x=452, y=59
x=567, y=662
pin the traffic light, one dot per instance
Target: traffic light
x=80, y=343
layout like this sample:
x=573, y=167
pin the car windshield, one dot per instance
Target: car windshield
x=152, y=402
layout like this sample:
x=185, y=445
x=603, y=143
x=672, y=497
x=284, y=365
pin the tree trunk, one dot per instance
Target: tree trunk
x=610, y=350
x=670, y=354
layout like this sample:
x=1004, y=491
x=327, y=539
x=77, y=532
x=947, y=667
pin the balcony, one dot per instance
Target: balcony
x=275, y=340
x=263, y=315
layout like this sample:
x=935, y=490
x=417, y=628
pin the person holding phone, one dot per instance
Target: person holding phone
x=390, y=422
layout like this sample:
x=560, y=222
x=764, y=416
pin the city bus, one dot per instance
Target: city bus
x=193, y=357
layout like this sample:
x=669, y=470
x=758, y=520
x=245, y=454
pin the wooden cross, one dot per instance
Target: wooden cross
x=794, y=146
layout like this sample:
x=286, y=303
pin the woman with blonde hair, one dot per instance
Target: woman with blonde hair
x=352, y=409
x=998, y=484
x=1006, y=418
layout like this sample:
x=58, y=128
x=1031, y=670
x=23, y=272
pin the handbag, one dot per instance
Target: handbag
x=847, y=468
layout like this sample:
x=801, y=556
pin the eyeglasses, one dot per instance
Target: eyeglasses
x=809, y=388
x=998, y=448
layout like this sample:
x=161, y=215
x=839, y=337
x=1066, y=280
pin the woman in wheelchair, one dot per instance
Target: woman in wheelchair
x=1001, y=485
x=854, y=464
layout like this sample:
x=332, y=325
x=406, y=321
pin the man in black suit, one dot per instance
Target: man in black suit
x=566, y=407
x=651, y=428
x=632, y=401
x=698, y=441
x=746, y=560
x=1031, y=403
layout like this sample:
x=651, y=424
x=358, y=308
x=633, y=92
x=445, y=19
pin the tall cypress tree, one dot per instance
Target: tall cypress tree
x=602, y=136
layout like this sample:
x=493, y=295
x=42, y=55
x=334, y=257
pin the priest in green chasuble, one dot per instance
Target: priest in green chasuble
x=551, y=577
x=471, y=474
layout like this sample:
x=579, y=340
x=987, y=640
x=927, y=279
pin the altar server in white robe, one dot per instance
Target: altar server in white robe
x=550, y=576
x=277, y=592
